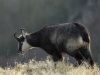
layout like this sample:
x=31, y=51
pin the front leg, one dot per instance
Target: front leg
x=56, y=57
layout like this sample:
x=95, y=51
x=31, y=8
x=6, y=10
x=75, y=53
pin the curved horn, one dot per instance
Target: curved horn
x=15, y=36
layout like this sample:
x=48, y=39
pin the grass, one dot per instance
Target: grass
x=46, y=67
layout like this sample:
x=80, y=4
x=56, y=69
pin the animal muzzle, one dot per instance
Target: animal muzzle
x=19, y=51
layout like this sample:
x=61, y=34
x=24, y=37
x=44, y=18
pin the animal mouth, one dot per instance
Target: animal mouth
x=22, y=52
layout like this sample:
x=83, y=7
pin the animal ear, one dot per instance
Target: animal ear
x=23, y=31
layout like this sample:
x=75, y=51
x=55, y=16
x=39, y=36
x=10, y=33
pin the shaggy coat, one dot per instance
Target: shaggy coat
x=70, y=38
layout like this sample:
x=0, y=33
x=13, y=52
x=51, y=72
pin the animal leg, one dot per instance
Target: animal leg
x=78, y=57
x=86, y=53
x=56, y=57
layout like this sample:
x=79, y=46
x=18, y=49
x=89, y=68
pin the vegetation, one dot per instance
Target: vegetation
x=35, y=14
x=47, y=68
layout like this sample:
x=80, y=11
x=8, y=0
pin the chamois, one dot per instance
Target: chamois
x=55, y=39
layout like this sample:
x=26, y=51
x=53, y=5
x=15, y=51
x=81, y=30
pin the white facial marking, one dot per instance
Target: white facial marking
x=25, y=46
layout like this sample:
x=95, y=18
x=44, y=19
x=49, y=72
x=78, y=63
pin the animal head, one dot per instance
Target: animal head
x=23, y=45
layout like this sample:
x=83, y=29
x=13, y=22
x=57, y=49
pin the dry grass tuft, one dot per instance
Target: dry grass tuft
x=47, y=68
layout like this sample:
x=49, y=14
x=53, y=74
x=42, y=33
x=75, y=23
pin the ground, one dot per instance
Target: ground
x=46, y=67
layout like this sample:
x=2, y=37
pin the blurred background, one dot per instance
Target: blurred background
x=35, y=14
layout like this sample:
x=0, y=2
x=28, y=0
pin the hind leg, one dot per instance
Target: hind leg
x=78, y=57
x=86, y=53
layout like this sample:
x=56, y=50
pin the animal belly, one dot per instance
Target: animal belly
x=74, y=44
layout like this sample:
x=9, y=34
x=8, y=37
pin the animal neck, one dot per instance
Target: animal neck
x=33, y=39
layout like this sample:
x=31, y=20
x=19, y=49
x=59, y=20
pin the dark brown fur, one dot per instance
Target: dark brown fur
x=70, y=38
